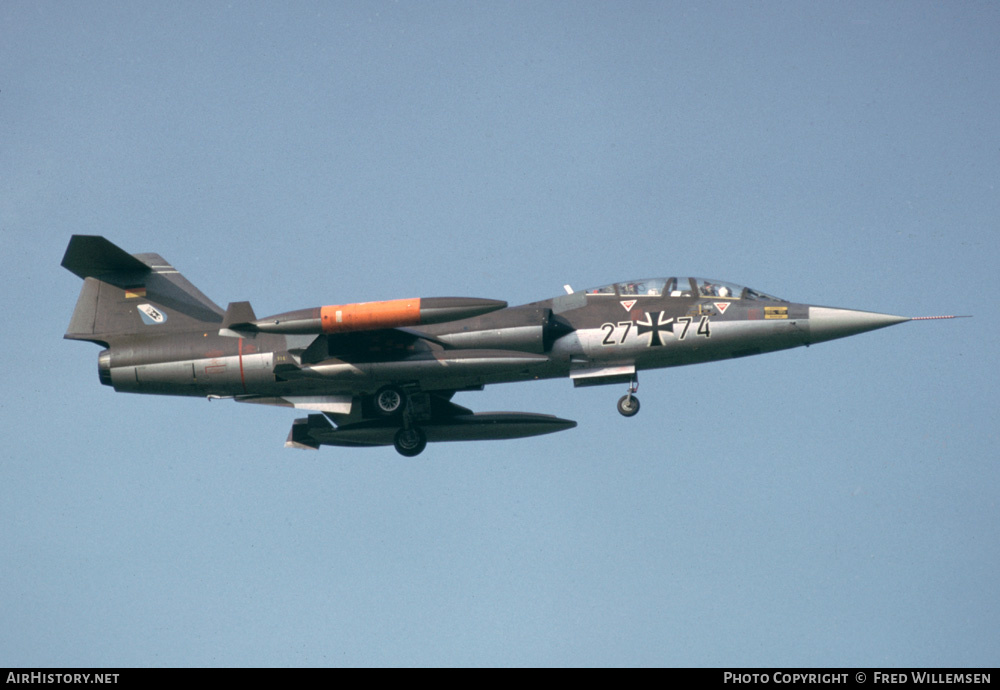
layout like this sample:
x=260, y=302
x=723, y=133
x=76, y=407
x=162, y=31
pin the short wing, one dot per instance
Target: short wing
x=378, y=345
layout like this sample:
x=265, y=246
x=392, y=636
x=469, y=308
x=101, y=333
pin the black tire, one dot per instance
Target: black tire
x=389, y=401
x=410, y=442
x=628, y=405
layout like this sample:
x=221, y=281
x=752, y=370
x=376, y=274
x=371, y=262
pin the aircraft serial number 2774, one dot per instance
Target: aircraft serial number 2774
x=384, y=373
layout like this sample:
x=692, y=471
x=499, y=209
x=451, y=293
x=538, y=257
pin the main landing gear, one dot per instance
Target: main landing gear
x=391, y=401
x=628, y=404
x=410, y=442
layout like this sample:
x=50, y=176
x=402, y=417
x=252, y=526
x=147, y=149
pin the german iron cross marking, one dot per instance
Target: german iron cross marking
x=654, y=324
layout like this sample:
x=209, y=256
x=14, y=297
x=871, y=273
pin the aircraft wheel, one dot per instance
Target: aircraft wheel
x=389, y=400
x=628, y=405
x=410, y=442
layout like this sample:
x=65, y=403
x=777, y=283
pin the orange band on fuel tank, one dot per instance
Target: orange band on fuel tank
x=366, y=316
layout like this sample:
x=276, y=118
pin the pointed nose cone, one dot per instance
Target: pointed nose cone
x=826, y=323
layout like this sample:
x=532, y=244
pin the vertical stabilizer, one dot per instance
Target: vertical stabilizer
x=125, y=294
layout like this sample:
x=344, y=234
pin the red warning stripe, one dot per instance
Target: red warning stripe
x=243, y=379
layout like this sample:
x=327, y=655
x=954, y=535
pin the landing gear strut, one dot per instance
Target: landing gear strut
x=409, y=406
x=628, y=404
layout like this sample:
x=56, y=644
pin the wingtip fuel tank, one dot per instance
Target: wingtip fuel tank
x=316, y=430
x=368, y=316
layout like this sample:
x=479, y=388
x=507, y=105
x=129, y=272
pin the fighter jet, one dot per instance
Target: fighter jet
x=384, y=373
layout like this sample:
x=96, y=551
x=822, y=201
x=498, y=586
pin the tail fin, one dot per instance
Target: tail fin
x=125, y=294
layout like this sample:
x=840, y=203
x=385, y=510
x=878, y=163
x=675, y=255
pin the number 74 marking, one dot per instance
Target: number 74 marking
x=704, y=329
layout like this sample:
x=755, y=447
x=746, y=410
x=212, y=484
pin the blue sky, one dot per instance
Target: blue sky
x=834, y=505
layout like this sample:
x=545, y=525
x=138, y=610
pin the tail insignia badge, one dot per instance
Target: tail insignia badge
x=151, y=316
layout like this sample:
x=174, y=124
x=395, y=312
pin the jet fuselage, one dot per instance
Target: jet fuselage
x=385, y=372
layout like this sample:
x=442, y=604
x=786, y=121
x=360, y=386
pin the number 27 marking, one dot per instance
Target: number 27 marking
x=627, y=325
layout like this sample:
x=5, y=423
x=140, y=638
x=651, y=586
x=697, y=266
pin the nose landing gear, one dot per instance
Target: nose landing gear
x=628, y=404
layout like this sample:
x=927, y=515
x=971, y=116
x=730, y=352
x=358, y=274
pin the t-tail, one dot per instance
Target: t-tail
x=127, y=295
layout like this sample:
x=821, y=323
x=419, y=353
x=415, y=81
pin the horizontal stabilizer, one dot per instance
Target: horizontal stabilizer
x=92, y=256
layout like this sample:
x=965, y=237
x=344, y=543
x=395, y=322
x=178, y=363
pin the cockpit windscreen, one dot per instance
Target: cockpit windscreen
x=682, y=287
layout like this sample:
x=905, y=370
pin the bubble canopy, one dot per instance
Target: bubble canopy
x=682, y=287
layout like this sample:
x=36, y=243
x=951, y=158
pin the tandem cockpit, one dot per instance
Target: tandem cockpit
x=682, y=287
